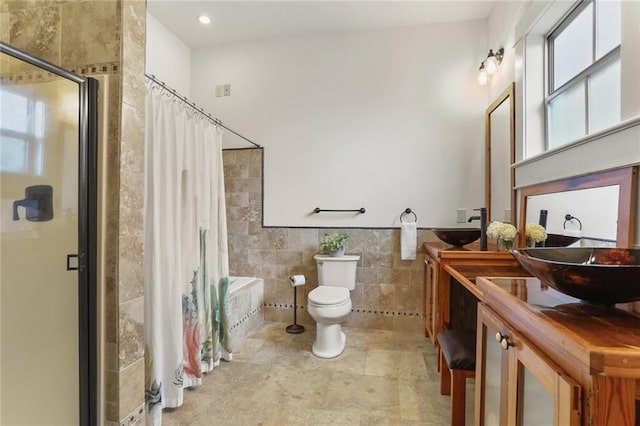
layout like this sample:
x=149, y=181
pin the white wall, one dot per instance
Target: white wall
x=168, y=58
x=383, y=119
x=501, y=24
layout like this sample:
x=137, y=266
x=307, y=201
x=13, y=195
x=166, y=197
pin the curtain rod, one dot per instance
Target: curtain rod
x=164, y=86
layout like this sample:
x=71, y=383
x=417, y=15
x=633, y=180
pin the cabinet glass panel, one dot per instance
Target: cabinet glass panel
x=493, y=372
x=434, y=299
x=537, y=402
x=429, y=297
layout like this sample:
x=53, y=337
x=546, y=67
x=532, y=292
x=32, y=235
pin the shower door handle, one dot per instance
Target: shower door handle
x=73, y=262
x=26, y=203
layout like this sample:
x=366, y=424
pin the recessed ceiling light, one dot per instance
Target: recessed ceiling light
x=204, y=19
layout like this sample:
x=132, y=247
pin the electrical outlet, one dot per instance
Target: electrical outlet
x=219, y=90
x=461, y=215
x=227, y=90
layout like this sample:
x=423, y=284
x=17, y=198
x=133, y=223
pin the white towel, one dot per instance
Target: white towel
x=408, y=240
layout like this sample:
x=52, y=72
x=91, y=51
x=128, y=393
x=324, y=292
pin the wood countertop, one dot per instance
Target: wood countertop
x=439, y=250
x=467, y=274
x=465, y=264
x=584, y=338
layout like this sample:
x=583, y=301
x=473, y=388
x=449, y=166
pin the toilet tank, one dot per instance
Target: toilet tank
x=337, y=271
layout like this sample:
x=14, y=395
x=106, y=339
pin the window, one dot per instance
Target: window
x=21, y=133
x=583, y=78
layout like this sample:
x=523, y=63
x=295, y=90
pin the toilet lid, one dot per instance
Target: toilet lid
x=327, y=295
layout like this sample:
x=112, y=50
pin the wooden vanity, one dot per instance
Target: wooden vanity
x=545, y=358
x=542, y=356
x=446, y=303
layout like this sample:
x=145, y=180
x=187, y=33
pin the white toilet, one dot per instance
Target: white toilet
x=330, y=303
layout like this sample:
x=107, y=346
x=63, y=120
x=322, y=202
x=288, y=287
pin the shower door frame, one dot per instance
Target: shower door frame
x=87, y=231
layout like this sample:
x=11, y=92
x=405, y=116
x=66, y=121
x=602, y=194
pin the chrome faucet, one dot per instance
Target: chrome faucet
x=483, y=226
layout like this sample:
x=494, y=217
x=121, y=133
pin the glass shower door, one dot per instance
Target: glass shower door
x=42, y=343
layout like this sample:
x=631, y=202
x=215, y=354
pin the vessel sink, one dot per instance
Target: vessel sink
x=558, y=240
x=457, y=236
x=595, y=275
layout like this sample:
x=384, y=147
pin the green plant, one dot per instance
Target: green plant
x=333, y=242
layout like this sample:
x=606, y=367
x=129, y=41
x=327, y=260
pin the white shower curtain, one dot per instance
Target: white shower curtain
x=186, y=258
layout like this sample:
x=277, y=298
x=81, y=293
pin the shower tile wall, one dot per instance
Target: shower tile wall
x=105, y=38
x=388, y=293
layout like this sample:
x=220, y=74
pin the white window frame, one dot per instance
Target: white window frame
x=610, y=148
x=582, y=77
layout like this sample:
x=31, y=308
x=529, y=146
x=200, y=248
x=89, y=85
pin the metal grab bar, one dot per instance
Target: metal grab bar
x=360, y=210
x=409, y=211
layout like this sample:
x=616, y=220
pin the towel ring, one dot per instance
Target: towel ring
x=567, y=218
x=409, y=211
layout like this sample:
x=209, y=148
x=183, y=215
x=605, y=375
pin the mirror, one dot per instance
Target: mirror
x=601, y=207
x=572, y=214
x=500, y=196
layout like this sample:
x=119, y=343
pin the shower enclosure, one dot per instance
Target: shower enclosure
x=47, y=243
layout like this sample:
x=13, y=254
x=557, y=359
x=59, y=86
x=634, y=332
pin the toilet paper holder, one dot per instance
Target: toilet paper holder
x=296, y=281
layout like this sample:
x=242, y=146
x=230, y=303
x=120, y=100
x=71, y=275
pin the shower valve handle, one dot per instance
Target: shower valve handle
x=26, y=203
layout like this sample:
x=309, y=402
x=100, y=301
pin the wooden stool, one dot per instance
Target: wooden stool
x=457, y=364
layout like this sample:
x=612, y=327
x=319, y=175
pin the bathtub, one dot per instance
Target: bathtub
x=246, y=295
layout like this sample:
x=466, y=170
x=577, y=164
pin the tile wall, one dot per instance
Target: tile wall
x=388, y=293
x=105, y=37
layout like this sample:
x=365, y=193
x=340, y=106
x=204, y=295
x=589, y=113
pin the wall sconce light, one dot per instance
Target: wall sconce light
x=489, y=66
x=483, y=77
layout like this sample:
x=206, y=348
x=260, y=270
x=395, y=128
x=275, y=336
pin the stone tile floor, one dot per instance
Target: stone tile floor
x=382, y=378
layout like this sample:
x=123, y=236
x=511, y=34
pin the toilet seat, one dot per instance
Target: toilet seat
x=329, y=296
